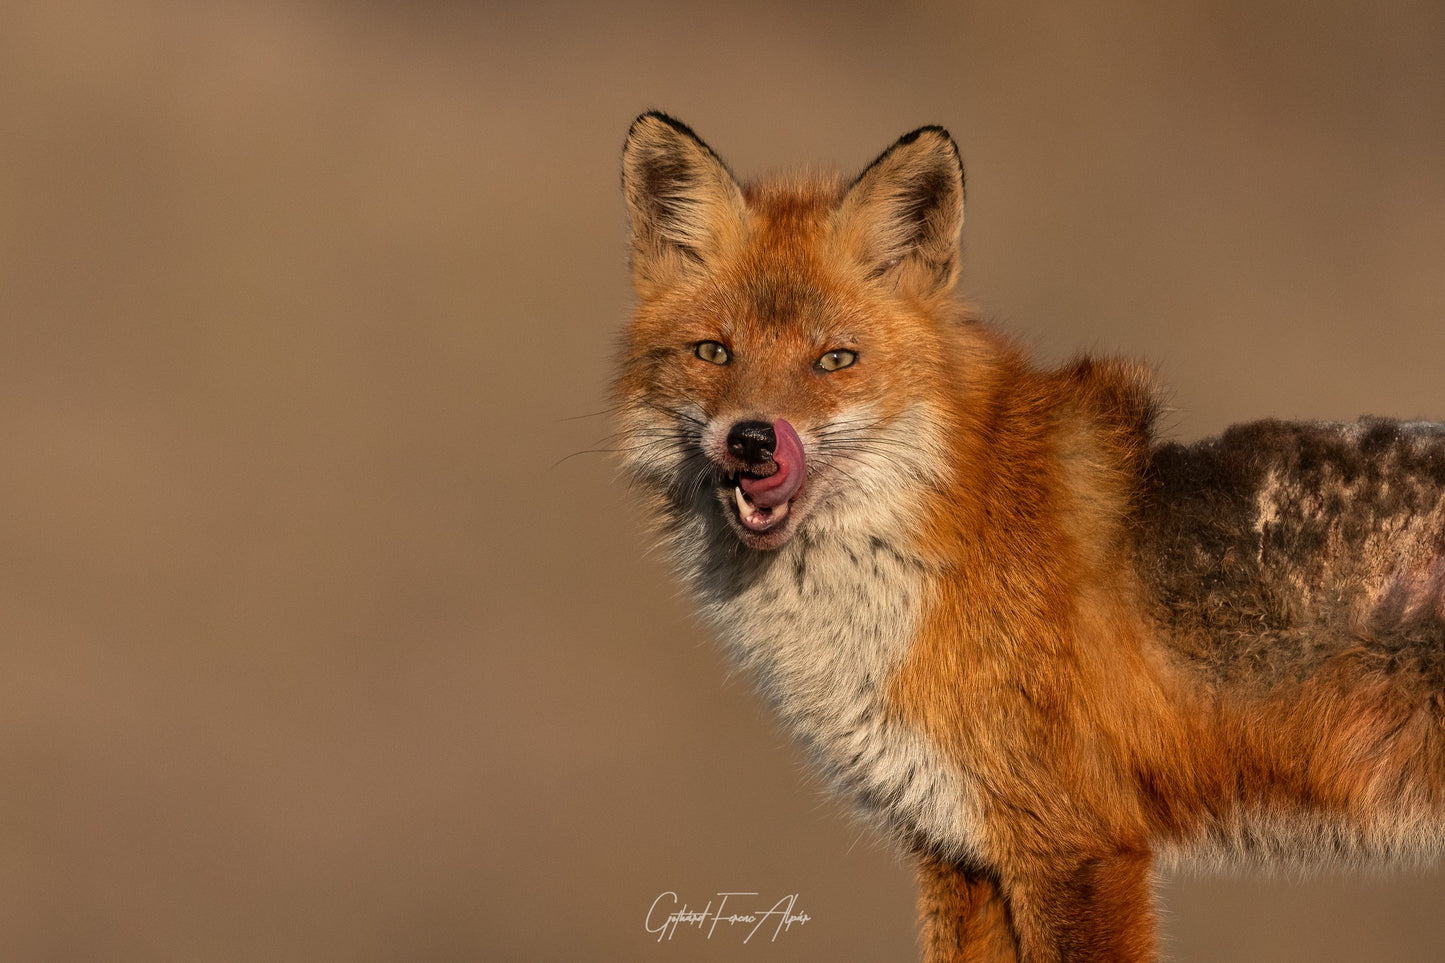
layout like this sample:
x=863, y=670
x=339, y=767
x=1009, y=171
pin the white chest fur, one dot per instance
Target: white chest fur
x=822, y=624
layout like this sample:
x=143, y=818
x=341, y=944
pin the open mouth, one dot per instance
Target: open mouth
x=755, y=517
x=763, y=495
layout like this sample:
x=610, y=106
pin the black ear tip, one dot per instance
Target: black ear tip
x=654, y=118
x=929, y=130
x=933, y=132
x=937, y=144
x=656, y=130
x=941, y=137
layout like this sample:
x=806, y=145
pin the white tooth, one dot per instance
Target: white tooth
x=743, y=507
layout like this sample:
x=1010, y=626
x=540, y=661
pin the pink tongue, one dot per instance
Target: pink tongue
x=787, y=481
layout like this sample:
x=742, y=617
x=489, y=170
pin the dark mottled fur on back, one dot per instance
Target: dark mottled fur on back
x=1279, y=546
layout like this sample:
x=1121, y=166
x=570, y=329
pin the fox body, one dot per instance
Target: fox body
x=1043, y=649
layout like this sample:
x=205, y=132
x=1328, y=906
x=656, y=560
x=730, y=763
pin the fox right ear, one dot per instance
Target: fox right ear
x=683, y=203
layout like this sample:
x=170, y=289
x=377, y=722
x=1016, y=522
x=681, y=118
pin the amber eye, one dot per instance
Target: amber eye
x=711, y=351
x=833, y=360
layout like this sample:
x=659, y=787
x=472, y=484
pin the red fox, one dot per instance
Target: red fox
x=1046, y=651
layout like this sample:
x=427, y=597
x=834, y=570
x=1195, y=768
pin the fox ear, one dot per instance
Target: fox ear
x=683, y=203
x=903, y=214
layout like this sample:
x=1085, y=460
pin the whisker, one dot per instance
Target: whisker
x=678, y=413
x=592, y=414
x=585, y=451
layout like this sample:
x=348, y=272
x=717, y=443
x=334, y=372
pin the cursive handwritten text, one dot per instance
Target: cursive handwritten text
x=728, y=910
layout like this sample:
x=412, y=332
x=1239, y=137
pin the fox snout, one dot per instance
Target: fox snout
x=765, y=469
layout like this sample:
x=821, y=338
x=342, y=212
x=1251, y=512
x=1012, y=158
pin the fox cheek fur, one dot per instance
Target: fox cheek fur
x=1039, y=647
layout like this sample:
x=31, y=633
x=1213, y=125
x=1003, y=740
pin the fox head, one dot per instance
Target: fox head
x=785, y=364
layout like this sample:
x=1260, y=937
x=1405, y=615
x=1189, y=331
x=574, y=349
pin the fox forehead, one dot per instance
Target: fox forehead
x=763, y=294
x=777, y=305
x=788, y=275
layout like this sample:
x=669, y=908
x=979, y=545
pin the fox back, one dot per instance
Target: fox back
x=1037, y=646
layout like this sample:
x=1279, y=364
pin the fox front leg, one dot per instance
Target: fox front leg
x=962, y=914
x=1097, y=907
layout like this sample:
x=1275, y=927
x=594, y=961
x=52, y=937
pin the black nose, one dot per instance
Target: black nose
x=752, y=441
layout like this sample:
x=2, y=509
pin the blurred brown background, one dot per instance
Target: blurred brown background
x=314, y=642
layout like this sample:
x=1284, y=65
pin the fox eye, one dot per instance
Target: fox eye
x=833, y=360
x=711, y=351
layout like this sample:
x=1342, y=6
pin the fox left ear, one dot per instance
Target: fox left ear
x=903, y=214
